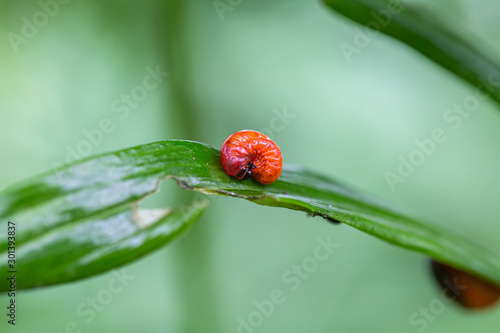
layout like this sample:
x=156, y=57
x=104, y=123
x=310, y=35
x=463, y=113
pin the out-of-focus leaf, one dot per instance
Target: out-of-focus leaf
x=427, y=32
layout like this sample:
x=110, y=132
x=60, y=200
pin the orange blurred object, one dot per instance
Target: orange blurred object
x=468, y=290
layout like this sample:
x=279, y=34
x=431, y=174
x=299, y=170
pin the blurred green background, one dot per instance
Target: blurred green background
x=350, y=121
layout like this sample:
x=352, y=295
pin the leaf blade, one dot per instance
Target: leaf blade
x=137, y=171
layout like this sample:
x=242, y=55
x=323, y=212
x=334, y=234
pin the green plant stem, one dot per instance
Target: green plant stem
x=194, y=269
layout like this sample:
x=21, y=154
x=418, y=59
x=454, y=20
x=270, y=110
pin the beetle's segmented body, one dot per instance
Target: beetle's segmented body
x=248, y=153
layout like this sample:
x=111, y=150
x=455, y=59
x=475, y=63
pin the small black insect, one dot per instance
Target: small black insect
x=326, y=217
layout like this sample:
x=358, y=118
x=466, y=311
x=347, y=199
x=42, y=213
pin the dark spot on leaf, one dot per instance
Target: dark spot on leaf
x=326, y=217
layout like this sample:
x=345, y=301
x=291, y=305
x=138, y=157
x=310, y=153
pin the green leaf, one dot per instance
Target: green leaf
x=84, y=220
x=79, y=221
x=427, y=32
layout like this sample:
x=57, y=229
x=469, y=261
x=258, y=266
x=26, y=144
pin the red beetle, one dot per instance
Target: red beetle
x=248, y=153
